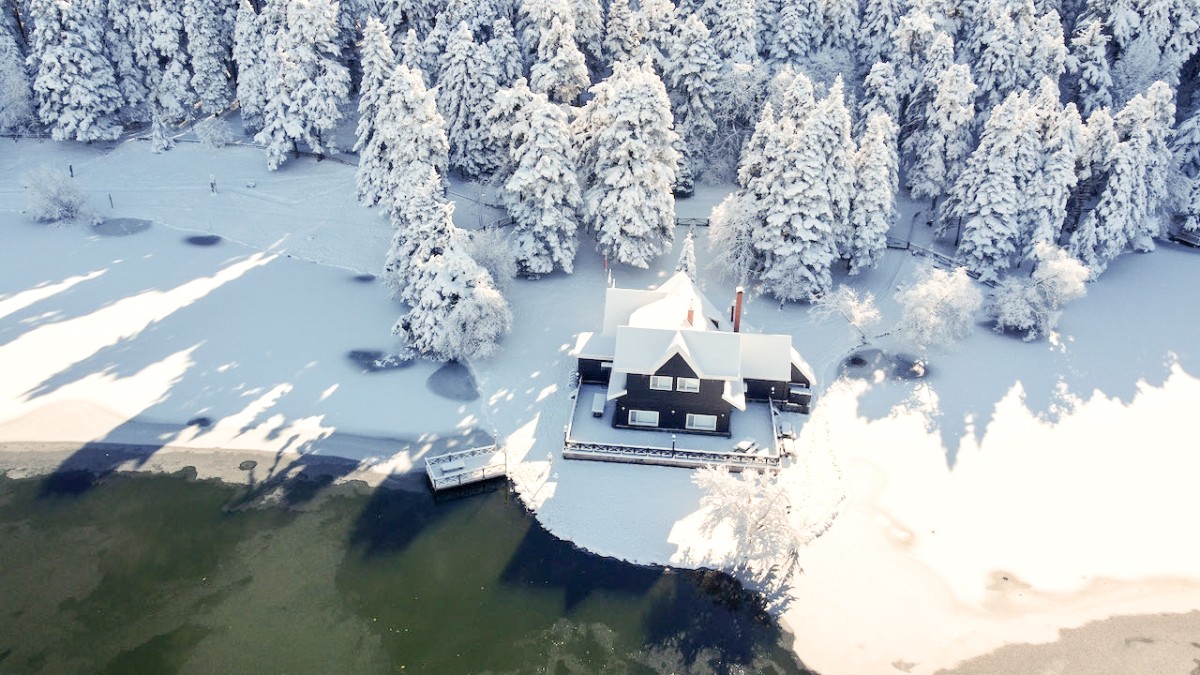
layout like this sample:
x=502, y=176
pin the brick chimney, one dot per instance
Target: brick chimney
x=737, y=311
x=691, y=313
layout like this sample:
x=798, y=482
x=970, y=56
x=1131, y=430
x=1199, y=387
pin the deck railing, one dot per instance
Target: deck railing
x=615, y=452
x=441, y=481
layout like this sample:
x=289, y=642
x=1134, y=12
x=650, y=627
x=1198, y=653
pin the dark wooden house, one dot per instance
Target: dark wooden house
x=672, y=361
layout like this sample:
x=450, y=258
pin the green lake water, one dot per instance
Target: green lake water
x=164, y=574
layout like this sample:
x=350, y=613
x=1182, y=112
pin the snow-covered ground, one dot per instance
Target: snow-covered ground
x=1020, y=488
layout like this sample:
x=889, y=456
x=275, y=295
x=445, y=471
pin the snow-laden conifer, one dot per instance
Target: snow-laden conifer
x=939, y=147
x=16, y=96
x=873, y=204
x=74, y=82
x=209, y=27
x=879, y=93
x=735, y=30
x=377, y=62
x=985, y=200
x=412, y=53
x=622, y=32
x=421, y=229
x=839, y=23
x=559, y=70
x=506, y=52
x=251, y=59
x=409, y=140
x=797, y=34
x=880, y=19
x=468, y=81
x=1185, y=182
x=131, y=53
x=687, y=256
x=628, y=156
x=508, y=126
x=170, y=83
x=1089, y=59
x=1048, y=192
x=691, y=69
x=589, y=29
x=309, y=84
x=542, y=193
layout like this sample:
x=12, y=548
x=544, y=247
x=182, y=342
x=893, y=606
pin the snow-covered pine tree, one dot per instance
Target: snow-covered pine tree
x=687, y=256
x=880, y=18
x=251, y=59
x=209, y=27
x=734, y=221
x=935, y=60
x=409, y=140
x=691, y=69
x=660, y=22
x=735, y=30
x=589, y=29
x=879, y=93
x=422, y=227
x=1185, y=181
x=828, y=127
x=506, y=52
x=622, y=32
x=985, y=199
x=309, y=86
x=798, y=32
x=542, y=193
x=796, y=240
x=873, y=204
x=1089, y=59
x=628, y=156
x=130, y=50
x=16, y=97
x=1047, y=194
x=468, y=81
x=412, y=53
x=839, y=24
x=508, y=125
x=377, y=63
x=459, y=314
x=74, y=82
x=940, y=146
x=559, y=70
x=170, y=82
x=914, y=34
x=1126, y=214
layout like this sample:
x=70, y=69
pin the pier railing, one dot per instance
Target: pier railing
x=452, y=469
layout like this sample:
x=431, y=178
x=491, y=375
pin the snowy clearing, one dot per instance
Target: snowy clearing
x=1018, y=489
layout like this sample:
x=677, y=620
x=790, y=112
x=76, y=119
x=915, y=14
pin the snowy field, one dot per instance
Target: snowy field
x=1019, y=489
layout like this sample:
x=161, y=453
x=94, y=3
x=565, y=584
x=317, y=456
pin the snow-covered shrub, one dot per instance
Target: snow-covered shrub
x=1034, y=304
x=52, y=195
x=860, y=312
x=492, y=249
x=755, y=509
x=213, y=132
x=939, y=309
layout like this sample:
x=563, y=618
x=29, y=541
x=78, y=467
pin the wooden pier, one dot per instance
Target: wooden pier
x=455, y=469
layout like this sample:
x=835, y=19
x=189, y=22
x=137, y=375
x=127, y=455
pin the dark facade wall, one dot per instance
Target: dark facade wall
x=673, y=406
x=761, y=390
x=799, y=378
x=590, y=371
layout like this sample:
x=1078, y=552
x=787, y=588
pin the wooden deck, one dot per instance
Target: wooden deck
x=673, y=449
x=455, y=469
x=1186, y=238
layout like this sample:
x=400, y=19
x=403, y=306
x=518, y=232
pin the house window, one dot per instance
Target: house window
x=702, y=422
x=661, y=383
x=688, y=384
x=606, y=365
x=644, y=418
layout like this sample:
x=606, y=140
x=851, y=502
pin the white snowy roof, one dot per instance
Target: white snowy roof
x=766, y=357
x=594, y=346
x=712, y=355
x=805, y=369
x=643, y=329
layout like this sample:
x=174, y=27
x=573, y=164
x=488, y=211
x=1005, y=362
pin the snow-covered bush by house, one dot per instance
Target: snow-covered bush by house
x=492, y=248
x=1033, y=304
x=938, y=309
x=753, y=510
x=213, y=132
x=51, y=195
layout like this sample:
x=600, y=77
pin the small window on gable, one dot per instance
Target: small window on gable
x=702, y=422
x=661, y=382
x=688, y=384
x=644, y=418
